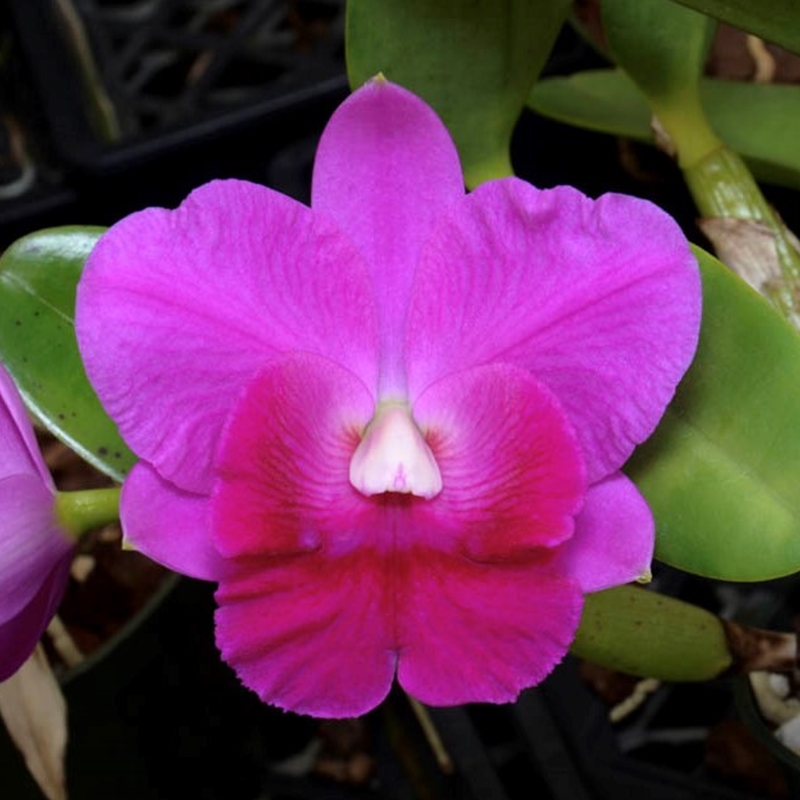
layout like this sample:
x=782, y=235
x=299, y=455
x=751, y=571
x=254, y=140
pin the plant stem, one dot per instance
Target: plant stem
x=82, y=511
x=683, y=119
x=723, y=188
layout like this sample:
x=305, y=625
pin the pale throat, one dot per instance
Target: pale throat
x=393, y=456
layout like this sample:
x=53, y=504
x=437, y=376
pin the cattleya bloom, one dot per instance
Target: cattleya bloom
x=35, y=553
x=390, y=426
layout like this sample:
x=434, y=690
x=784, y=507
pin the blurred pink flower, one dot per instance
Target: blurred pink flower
x=35, y=554
x=390, y=426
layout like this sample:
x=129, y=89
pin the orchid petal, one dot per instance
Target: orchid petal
x=310, y=633
x=599, y=299
x=20, y=634
x=283, y=467
x=304, y=616
x=319, y=635
x=475, y=632
x=20, y=452
x=385, y=169
x=390, y=428
x=614, y=538
x=511, y=466
x=168, y=524
x=330, y=586
x=31, y=543
x=177, y=310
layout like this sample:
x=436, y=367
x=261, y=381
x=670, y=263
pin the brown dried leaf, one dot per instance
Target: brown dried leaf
x=733, y=752
x=35, y=713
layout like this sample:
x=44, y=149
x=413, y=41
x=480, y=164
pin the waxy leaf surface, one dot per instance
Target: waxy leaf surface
x=640, y=632
x=721, y=472
x=662, y=46
x=473, y=62
x=774, y=20
x=607, y=101
x=38, y=276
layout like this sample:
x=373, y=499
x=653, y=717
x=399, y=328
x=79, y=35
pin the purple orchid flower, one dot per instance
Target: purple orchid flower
x=35, y=554
x=390, y=426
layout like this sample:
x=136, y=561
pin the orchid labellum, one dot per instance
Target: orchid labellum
x=390, y=426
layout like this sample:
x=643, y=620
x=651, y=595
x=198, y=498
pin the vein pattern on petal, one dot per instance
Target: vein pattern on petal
x=178, y=310
x=600, y=300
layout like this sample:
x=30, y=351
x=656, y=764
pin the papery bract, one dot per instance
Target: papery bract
x=390, y=426
x=35, y=554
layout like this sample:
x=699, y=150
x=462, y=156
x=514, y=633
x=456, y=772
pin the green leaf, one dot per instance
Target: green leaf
x=608, y=101
x=643, y=633
x=474, y=62
x=38, y=277
x=777, y=21
x=721, y=473
x=602, y=100
x=663, y=48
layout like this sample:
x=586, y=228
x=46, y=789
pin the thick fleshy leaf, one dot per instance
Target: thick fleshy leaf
x=511, y=465
x=168, y=525
x=476, y=632
x=614, y=538
x=19, y=452
x=608, y=101
x=384, y=170
x=640, y=632
x=661, y=45
x=599, y=299
x=721, y=473
x=774, y=20
x=473, y=62
x=30, y=541
x=177, y=310
x=38, y=275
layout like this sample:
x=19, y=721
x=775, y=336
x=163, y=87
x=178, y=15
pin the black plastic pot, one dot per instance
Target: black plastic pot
x=123, y=83
x=155, y=715
x=662, y=760
x=97, y=740
x=556, y=743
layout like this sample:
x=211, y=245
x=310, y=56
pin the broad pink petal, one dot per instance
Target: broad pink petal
x=31, y=543
x=177, y=310
x=322, y=635
x=20, y=634
x=311, y=633
x=599, y=299
x=385, y=169
x=473, y=632
x=512, y=471
x=169, y=525
x=614, y=538
x=19, y=452
x=304, y=615
x=284, y=459
x=329, y=587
